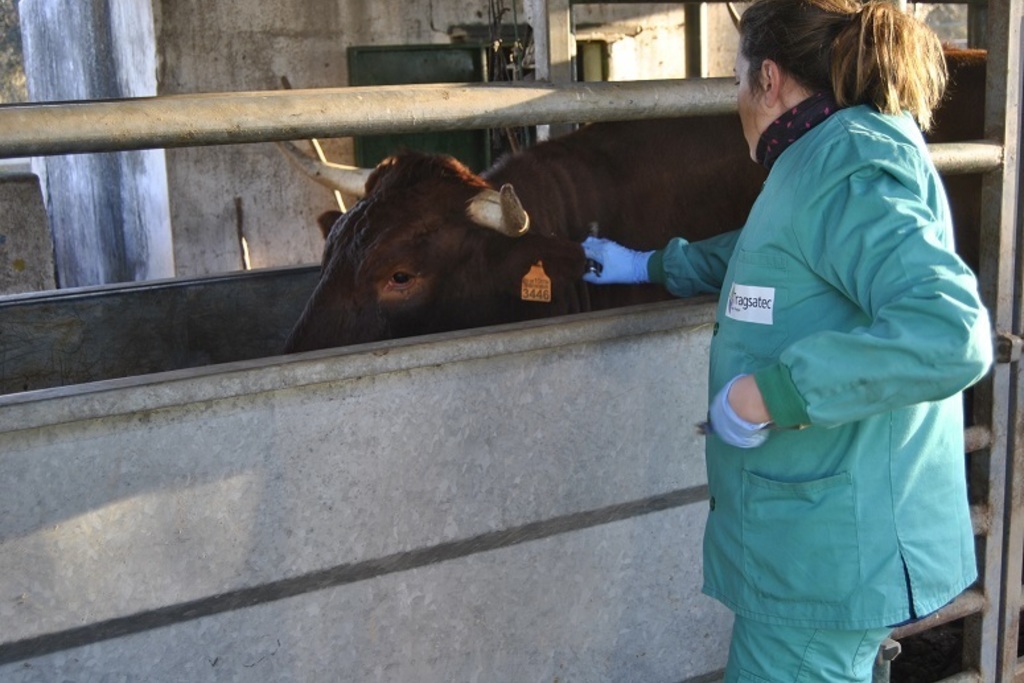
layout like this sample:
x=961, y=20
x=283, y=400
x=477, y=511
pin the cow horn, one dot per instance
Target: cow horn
x=734, y=14
x=348, y=179
x=499, y=210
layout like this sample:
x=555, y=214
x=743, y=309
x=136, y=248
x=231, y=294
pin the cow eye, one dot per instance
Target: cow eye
x=400, y=283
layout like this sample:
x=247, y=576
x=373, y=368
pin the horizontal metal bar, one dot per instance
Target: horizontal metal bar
x=981, y=520
x=955, y=158
x=977, y=437
x=963, y=677
x=229, y=118
x=971, y=601
x=232, y=118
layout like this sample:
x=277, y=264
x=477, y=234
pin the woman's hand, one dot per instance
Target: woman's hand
x=745, y=398
x=615, y=264
x=738, y=415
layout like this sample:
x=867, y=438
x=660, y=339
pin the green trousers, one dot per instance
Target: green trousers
x=767, y=653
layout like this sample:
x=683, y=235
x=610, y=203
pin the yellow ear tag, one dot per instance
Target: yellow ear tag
x=536, y=284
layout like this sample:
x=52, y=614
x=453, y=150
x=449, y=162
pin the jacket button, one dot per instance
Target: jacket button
x=714, y=330
x=711, y=503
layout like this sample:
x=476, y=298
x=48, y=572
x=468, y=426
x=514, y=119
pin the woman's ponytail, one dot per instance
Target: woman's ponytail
x=888, y=58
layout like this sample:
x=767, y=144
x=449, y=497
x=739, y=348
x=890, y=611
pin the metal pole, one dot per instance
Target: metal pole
x=561, y=43
x=1011, y=667
x=229, y=118
x=955, y=158
x=1000, y=214
x=555, y=37
x=695, y=30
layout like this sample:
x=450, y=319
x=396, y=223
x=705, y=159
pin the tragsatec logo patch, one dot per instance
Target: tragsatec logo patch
x=751, y=304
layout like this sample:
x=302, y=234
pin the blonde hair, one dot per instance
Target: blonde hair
x=863, y=54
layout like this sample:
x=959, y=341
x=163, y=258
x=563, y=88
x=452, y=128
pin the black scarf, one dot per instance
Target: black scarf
x=788, y=128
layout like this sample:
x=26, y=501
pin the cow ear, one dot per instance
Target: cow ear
x=326, y=221
x=383, y=168
x=563, y=260
x=499, y=210
x=534, y=259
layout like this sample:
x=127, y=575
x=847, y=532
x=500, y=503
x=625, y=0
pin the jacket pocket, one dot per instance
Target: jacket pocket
x=800, y=540
x=753, y=315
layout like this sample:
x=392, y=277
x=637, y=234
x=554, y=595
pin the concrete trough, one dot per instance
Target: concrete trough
x=516, y=503
x=86, y=334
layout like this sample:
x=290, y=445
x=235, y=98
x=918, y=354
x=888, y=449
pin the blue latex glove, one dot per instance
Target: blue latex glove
x=730, y=427
x=616, y=264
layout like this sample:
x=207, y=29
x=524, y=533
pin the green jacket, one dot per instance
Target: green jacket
x=844, y=296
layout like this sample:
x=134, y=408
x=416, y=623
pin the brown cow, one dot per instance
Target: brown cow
x=414, y=256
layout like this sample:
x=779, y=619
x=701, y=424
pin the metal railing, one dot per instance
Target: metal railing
x=243, y=117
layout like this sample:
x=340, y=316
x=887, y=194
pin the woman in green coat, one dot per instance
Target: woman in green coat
x=846, y=329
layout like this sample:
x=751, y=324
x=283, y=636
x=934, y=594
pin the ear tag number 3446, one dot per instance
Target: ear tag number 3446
x=536, y=284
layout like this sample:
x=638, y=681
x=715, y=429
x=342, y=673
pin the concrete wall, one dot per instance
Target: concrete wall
x=647, y=41
x=26, y=249
x=520, y=505
x=250, y=190
x=108, y=212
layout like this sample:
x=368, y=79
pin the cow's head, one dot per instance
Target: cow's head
x=431, y=247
